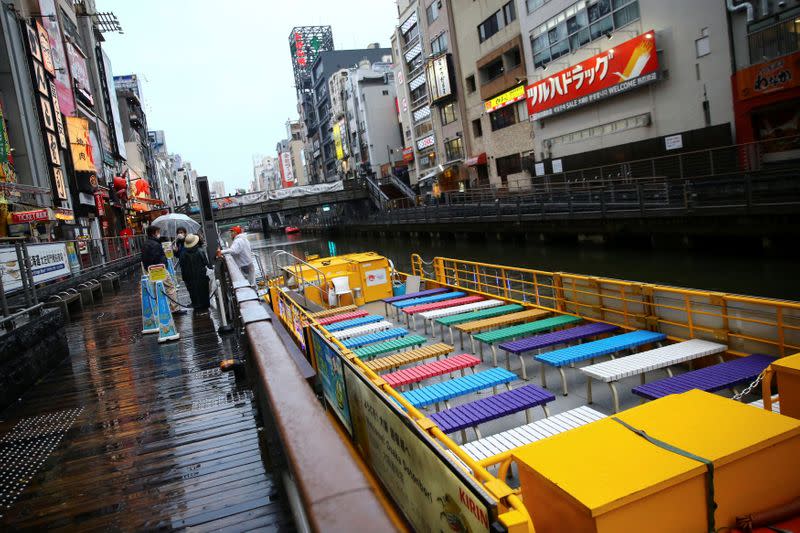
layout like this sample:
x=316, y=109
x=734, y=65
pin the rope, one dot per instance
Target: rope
x=711, y=505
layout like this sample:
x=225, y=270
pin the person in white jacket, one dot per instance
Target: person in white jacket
x=242, y=254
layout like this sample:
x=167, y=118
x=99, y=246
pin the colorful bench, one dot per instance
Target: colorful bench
x=541, y=429
x=643, y=362
x=470, y=415
x=590, y=350
x=429, y=299
x=368, y=352
x=545, y=340
x=710, y=379
x=447, y=390
x=410, y=296
x=339, y=318
x=389, y=362
x=334, y=311
x=430, y=316
x=354, y=322
x=415, y=374
x=450, y=321
x=373, y=338
x=366, y=329
x=412, y=311
x=504, y=334
x=476, y=326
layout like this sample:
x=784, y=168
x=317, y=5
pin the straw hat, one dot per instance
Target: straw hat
x=191, y=240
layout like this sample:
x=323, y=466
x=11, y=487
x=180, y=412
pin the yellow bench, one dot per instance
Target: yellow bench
x=390, y=362
x=497, y=322
x=334, y=311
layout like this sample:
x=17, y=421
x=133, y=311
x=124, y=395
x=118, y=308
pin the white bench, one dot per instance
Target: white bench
x=366, y=329
x=643, y=362
x=776, y=404
x=430, y=316
x=541, y=429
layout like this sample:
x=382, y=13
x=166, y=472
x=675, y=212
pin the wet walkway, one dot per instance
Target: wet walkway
x=128, y=434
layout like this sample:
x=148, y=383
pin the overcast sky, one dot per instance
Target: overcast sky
x=217, y=77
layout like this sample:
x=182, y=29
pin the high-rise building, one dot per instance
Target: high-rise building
x=218, y=189
x=430, y=95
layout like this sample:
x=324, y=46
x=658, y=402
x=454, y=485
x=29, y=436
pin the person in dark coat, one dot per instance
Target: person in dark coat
x=152, y=250
x=193, y=271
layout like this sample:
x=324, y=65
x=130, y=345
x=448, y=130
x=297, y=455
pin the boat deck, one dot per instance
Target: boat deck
x=128, y=434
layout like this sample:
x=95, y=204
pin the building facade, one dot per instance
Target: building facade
x=612, y=81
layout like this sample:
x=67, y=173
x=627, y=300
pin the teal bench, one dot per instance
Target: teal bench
x=374, y=350
x=590, y=350
x=529, y=328
x=447, y=390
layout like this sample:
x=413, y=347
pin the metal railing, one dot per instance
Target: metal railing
x=76, y=260
x=320, y=471
x=745, y=324
x=322, y=280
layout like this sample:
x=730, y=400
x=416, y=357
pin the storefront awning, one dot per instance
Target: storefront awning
x=432, y=174
x=479, y=159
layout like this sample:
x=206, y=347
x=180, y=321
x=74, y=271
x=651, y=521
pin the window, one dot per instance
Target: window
x=448, y=113
x=385, y=92
x=433, y=10
x=499, y=20
x=492, y=70
x=578, y=25
x=510, y=164
x=439, y=44
x=533, y=5
x=470, y=83
x=454, y=149
x=477, y=128
x=503, y=118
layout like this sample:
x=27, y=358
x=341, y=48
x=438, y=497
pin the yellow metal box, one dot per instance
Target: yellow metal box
x=603, y=477
x=787, y=370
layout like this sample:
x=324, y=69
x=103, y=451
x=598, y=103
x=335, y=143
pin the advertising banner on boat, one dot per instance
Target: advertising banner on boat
x=329, y=368
x=432, y=493
x=620, y=69
x=49, y=261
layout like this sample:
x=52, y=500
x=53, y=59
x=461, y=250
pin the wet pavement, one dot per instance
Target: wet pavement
x=128, y=434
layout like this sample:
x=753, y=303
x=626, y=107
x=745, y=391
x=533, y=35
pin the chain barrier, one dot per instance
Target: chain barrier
x=738, y=397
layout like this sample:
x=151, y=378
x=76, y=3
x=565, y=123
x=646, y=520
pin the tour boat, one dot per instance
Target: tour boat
x=292, y=229
x=485, y=396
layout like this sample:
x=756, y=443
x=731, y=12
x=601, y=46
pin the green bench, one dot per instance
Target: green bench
x=374, y=350
x=530, y=328
x=450, y=321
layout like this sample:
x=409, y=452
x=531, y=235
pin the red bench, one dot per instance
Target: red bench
x=340, y=318
x=411, y=311
x=415, y=374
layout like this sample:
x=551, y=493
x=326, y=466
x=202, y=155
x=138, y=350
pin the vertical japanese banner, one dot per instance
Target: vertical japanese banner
x=80, y=145
x=63, y=83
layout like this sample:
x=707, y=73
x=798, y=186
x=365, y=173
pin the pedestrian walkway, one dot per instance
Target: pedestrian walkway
x=128, y=434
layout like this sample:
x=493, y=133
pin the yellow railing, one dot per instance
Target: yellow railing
x=512, y=513
x=746, y=324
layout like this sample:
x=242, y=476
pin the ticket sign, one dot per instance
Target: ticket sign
x=27, y=217
x=432, y=493
x=625, y=67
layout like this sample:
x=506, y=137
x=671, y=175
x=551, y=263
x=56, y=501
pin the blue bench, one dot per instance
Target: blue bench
x=378, y=336
x=429, y=299
x=710, y=379
x=447, y=390
x=477, y=412
x=544, y=340
x=354, y=322
x=412, y=295
x=590, y=350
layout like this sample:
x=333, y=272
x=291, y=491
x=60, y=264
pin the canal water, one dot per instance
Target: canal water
x=737, y=271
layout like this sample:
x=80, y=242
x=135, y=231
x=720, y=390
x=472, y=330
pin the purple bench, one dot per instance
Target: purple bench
x=710, y=379
x=544, y=340
x=471, y=414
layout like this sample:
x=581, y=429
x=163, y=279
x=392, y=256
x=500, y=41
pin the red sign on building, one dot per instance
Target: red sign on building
x=26, y=217
x=625, y=67
x=408, y=154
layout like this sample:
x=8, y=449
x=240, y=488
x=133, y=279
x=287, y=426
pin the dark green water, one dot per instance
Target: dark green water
x=744, y=273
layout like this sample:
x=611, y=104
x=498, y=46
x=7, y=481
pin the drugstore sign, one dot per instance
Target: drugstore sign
x=625, y=67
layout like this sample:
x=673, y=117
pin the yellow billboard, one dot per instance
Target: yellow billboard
x=517, y=94
x=337, y=140
x=80, y=145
